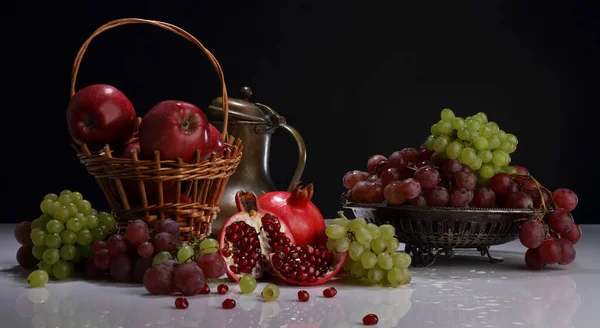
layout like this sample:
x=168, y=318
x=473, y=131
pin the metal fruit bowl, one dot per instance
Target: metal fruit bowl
x=430, y=231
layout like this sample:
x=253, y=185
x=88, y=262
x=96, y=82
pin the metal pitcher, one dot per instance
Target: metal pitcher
x=253, y=123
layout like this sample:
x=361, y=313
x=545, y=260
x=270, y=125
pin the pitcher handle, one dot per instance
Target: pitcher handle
x=301, y=155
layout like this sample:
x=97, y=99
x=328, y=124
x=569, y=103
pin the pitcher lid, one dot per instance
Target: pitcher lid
x=239, y=109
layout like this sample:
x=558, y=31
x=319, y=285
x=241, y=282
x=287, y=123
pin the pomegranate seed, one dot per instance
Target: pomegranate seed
x=181, y=303
x=228, y=304
x=303, y=296
x=222, y=289
x=329, y=292
x=370, y=319
x=205, y=289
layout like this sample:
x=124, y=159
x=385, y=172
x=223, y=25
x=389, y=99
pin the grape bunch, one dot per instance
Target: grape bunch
x=372, y=250
x=61, y=236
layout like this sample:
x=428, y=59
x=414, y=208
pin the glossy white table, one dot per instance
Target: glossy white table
x=466, y=291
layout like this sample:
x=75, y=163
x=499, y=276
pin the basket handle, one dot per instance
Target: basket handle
x=169, y=27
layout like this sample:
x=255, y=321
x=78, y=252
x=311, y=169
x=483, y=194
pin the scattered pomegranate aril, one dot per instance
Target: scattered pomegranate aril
x=228, y=304
x=205, y=289
x=222, y=289
x=303, y=296
x=181, y=303
x=370, y=319
x=329, y=292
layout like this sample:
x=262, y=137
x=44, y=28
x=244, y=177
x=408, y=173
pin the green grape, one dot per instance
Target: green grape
x=65, y=192
x=74, y=224
x=161, y=257
x=501, y=135
x=473, y=125
x=46, y=267
x=512, y=149
x=68, y=252
x=37, y=278
x=185, y=253
x=458, y=123
x=485, y=131
x=51, y=255
x=482, y=116
x=454, y=149
x=399, y=276
x=97, y=233
x=107, y=219
x=339, y=221
x=348, y=265
x=51, y=196
x=486, y=171
x=208, y=245
x=497, y=169
x=387, y=231
x=384, y=261
x=60, y=213
x=378, y=245
x=91, y=221
x=76, y=196
x=444, y=127
x=356, y=224
x=447, y=114
x=429, y=142
x=467, y=155
x=84, y=206
x=474, y=135
x=362, y=236
x=481, y=143
x=356, y=250
x=62, y=270
x=72, y=209
x=494, y=126
x=375, y=274
x=335, y=231
x=475, y=164
x=434, y=130
x=36, y=224
x=392, y=245
x=509, y=170
x=68, y=237
x=440, y=143
x=84, y=237
x=55, y=226
x=93, y=212
x=38, y=251
x=493, y=142
x=368, y=260
x=270, y=292
x=247, y=284
x=505, y=146
x=65, y=199
x=342, y=244
x=512, y=138
x=463, y=134
x=374, y=230
x=358, y=270
x=37, y=237
x=485, y=155
x=401, y=259
x=46, y=206
x=330, y=244
x=85, y=251
x=499, y=158
x=52, y=240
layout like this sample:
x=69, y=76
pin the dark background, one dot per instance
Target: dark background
x=355, y=78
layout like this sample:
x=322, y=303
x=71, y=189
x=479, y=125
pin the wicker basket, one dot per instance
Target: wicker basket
x=202, y=181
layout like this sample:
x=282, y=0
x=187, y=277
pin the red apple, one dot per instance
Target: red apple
x=176, y=129
x=100, y=114
x=215, y=144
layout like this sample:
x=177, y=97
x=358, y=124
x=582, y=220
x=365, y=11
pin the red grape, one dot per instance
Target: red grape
x=102, y=259
x=25, y=257
x=427, y=176
x=98, y=245
x=425, y=155
x=411, y=154
x=168, y=226
x=164, y=241
x=518, y=199
x=22, y=232
x=533, y=259
x=405, y=174
x=116, y=245
x=436, y=196
x=560, y=220
x=121, y=268
x=466, y=168
x=137, y=232
x=410, y=188
x=460, y=197
x=398, y=161
x=521, y=171
x=139, y=268
x=158, y=279
x=425, y=163
x=537, y=199
x=393, y=193
x=390, y=174
x=145, y=249
x=418, y=201
x=189, y=279
x=568, y=252
x=352, y=177
x=367, y=192
x=213, y=265
x=529, y=185
x=484, y=197
x=451, y=168
x=550, y=251
x=565, y=198
x=532, y=233
x=466, y=180
x=500, y=183
x=573, y=235
x=372, y=162
x=514, y=187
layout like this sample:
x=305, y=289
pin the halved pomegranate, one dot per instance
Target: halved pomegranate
x=248, y=238
x=307, y=265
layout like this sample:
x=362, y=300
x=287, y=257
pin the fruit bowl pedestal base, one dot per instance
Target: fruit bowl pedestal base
x=426, y=256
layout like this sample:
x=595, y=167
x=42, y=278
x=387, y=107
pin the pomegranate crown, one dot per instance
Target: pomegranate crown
x=301, y=195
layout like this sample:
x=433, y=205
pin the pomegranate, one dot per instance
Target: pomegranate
x=249, y=236
x=307, y=265
x=298, y=212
